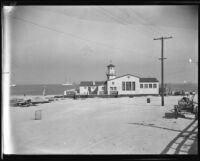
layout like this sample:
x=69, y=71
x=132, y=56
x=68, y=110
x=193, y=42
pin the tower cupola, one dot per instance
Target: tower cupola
x=111, y=72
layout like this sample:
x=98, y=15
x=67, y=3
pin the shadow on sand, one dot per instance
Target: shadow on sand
x=193, y=149
x=154, y=126
x=184, y=136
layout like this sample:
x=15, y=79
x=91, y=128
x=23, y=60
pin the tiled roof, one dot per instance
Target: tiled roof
x=92, y=83
x=148, y=80
x=110, y=65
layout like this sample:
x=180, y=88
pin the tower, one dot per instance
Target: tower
x=111, y=72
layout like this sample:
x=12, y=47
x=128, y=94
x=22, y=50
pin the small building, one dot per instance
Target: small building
x=70, y=92
x=92, y=88
x=122, y=85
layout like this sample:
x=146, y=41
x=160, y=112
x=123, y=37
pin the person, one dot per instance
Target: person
x=116, y=95
x=75, y=96
x=65, y=93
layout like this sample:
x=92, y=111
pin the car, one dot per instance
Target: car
x=186, y=104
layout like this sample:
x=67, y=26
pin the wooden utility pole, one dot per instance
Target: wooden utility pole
x=162, y=65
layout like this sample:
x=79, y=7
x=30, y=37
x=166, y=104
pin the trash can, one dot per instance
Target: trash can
x=38, y=115
x=148, y=100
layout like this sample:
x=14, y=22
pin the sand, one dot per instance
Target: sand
x=103, y=126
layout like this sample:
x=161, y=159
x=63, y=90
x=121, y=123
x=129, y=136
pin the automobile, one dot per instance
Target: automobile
x=186, y=105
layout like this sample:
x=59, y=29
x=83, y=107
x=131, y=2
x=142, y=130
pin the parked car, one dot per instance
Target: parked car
x=186, y=105
x=177, y=93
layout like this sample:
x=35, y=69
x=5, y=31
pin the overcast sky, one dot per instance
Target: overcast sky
x=50, y=44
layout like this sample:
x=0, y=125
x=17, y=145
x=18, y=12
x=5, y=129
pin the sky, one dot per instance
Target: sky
x=54, y=44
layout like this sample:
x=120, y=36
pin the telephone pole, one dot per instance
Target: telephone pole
x=162, y=65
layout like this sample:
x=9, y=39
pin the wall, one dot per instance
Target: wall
x=149, y=90
x=118, y=84
x=84, y=89
x=100, y=89
x=111, y=70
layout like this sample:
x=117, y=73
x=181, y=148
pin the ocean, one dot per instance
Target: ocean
x=37, y=89
x=58, y=89
x=182, y=86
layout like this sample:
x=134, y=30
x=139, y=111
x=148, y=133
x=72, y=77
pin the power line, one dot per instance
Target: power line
x=105, y=12
x=69, y=34
x=122, y=21
x=142, y=20
x=33, y=23
x=72, y=35
x=112, y=16
x=162, y=65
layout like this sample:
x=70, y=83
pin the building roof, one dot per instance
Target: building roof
x=140, y=79
x=123, y=76
x=148, y=80
x=92, y=83
x=110, y=65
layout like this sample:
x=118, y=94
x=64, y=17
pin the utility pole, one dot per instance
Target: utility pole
x=162, y=65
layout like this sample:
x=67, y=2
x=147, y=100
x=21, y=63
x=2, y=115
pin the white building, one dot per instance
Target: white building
x=122, y=85
x=92, y=87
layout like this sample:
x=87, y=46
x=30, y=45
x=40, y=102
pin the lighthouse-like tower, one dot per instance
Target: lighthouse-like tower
x=111, y=72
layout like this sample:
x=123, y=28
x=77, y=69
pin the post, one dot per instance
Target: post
x=162, y=72
x=162, y=66
x=38, y=115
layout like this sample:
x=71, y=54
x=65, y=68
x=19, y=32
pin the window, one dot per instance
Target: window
x=115, y=88
x=111, y=88
x=150, y=85
x=133, y=86
x=123, y=86
x=113, y=83
x=141, y=85
x=154, y=85
x=146, y=86
x=102, y=88
x=128, y=86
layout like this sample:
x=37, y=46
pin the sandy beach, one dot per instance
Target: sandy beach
x=103, y=126
x=88, y=79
